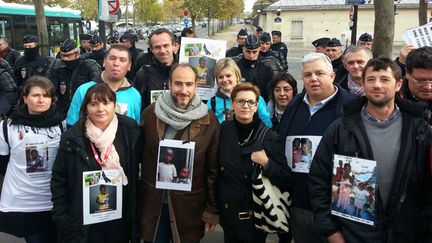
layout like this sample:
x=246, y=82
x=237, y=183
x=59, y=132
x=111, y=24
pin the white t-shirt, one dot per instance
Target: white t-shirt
x=26, y=186
x=167, y=172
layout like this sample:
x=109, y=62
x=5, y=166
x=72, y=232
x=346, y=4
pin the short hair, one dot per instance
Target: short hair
x=419, y=58
x=119, y=47
x=283, y=77
x=186, y=31
x=101, y=92
x=245, y=86
x=227, y=63
x=355, y=49
x=318, y=56
x=37, y=81
x=158, y=32
x=5, y=40
x=382, y=63
x=183, y=65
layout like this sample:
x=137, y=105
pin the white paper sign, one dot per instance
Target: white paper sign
x=420, y=36
x=299, y=151
x=203, y=55
x=353, y=188
x=102, y=196
x=175, y=165
x=154, y=94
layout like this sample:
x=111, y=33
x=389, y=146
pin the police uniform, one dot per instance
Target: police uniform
x=338, y=66
x=98, y=56
x=237, y=50
x=279, y=47
x=84, y=37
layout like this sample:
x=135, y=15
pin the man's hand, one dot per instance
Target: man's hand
x=209, y=227
x=260, y=157
x=336, y=238
x=403, y=53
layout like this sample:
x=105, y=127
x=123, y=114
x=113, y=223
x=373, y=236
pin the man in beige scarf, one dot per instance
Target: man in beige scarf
x=167, y=215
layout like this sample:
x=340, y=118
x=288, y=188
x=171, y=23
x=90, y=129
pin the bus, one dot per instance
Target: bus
x=18, y=20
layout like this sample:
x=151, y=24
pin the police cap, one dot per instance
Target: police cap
x=252, y=42
x=95, y=40
x=265, y=37
x=129, y=36
x=85, y=37
x=242, y=32
x=259, y=29
x=334, y=42
x=276, y=32
x=366, y=37
x=321, y=42
x=68, y=45
x=30, y=39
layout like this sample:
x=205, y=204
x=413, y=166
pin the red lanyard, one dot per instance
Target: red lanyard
x=96, y=155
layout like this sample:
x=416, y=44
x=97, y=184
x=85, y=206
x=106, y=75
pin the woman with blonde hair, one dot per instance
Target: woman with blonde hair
x=228, y=75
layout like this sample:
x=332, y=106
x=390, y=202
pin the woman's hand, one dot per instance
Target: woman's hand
x=260, y=157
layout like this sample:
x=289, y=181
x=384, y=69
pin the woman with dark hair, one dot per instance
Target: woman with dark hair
x=29, y=141
x=246, y=148
x=284, y=88
x=101, y=140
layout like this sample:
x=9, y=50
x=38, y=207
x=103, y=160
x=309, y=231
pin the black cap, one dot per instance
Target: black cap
x=334, y=42
x=242, y=32
x=68, y=45
x=129, y=36
x=95, y=39
x=85, y=37
x=366, y=37
x=321, y=42
x=30, y=39
x=259, y=29
x=252, y=42
x=265, y=37
x=276, y=32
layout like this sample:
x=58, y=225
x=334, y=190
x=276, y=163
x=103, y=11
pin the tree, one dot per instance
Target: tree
x=423, y=12
x=149, y=11
x=196, y=9
x=41, y=25
x=173, y=9
x=384, y=28
x=61, y=3
x=89, y=8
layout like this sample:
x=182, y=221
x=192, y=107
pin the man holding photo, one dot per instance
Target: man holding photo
x=393, y=133
x=165, y=215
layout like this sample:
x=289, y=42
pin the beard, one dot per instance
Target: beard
x=380, y=102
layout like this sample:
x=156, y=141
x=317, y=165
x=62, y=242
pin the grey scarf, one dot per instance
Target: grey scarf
x=167, y=110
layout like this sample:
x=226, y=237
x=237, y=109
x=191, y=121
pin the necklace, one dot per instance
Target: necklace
x=247, y=139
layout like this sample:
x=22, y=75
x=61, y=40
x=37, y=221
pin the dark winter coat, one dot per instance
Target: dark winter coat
x=25, y=67
x=73, y=158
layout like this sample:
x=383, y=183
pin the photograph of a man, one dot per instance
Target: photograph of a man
x=167, y=169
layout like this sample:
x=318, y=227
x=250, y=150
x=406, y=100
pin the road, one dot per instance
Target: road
x=294, y=62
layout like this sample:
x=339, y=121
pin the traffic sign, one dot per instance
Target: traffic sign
x=114, y=17
x=185, y=13
x=354, y=2
x=185, y=21
x=113, y=6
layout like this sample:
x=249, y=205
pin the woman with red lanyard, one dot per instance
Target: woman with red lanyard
x=101, y=142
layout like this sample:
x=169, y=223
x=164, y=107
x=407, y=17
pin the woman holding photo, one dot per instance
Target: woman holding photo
x=101, y=140
x=29, y=141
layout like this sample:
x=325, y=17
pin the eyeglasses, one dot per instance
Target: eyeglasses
x=242, y=102
x=421, y=81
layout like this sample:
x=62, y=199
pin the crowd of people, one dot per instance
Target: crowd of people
x=92, y=109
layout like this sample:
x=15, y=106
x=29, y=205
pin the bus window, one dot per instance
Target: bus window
x=5, y=28
x=19, y=31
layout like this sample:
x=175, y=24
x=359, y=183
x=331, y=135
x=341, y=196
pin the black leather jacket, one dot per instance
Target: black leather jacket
x=408, y=215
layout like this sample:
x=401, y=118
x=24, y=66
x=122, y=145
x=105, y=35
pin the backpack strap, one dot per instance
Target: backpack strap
x=213, y=104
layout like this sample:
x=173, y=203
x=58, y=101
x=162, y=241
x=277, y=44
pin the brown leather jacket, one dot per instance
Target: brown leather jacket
x=189, y=211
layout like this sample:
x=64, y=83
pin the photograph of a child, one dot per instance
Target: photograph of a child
x=175, y=166
x=353, y=188
x=192, y=50
x=92, y=179
x=204, y=65
x=299, y=151
x=37, y=159
x=102, y=198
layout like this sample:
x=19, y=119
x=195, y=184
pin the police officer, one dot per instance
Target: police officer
x=85, y=43
x=70, y=72
x=334, y=52
x=98, y=52
x=259, y=31
x=32, y=62
x=321, y=44
x=237, y=50
x=274, y=59
x=278, y=45
x=128, y=39
x=252, y=67
x=365, y=40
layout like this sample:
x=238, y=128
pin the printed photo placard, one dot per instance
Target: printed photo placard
x=353, y=188
x=102, y=196
x=154, y=94
x=299, y=151
x=175, y=165
x=203, y=55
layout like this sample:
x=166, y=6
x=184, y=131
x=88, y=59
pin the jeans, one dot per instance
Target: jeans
x=302, y=227
x=164, y=233
x=42, y=237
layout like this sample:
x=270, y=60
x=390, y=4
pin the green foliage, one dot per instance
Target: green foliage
x=149, y=11
x=61, y=3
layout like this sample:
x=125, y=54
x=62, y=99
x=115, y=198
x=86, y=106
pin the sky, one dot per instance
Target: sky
x=248, y=5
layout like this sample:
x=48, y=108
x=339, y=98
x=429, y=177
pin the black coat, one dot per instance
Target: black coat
x=73, y=158
x=12, y=56
x=234, y=190
x=408, y=215
x=25, y=67
x=66, y=81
